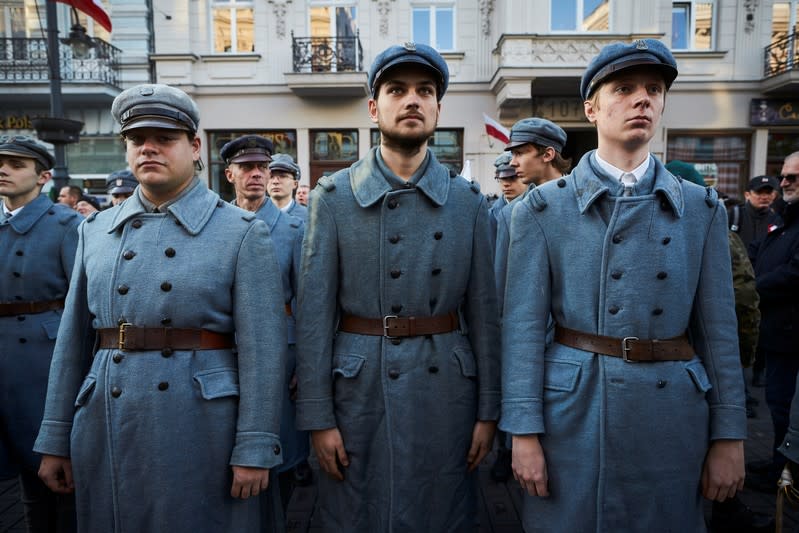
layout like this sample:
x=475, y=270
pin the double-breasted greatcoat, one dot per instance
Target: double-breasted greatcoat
x=37, y=254
x=377, y=246
x=152, y=434
x=624, y=443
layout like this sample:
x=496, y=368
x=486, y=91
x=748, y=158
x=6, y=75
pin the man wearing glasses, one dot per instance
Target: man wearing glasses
x=283, y=181
x=776, y=263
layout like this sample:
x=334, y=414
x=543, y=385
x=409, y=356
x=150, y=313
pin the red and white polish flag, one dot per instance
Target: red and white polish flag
x=496, y=130
x=93, y=8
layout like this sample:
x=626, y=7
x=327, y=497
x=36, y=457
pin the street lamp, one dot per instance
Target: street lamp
x=56, y=129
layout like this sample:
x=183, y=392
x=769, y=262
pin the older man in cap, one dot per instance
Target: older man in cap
x=397, y=333
x=285, y=175
x=247, y=160
x=164, y=400
x=38, y=240
x=636, y=409
x=120, y=185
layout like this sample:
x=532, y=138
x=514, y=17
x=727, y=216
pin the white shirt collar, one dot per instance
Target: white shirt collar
x=616, y=172
x=10, y=213
x=288, y=206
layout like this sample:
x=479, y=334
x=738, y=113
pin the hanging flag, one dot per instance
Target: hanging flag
x=496, y=130
x=93, y=8
x=466, y=171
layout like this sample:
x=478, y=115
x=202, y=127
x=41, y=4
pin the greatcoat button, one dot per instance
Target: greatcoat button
x=166, y=321
x=394, y=239
x=433, y=369
x=163, y=386
x=662, y=275
x=122, y=289
x=116, y=392
x=166, y=352
x=396, y=308
x=393, y=373
x=433, y=302
x=393, y=203
x=130, y=254
x=23, y=340
x=617, y=239
x=661, y=383
x=396, y=342
x=616, y=274
x=118, y=357
x=20, y=318
x=166, y=286
x=666, y=240
x=437, y=235
x=169, y=252
x=136, y=223
x=20, y=252
x=436, y=271
x=396, y=273
x=276, y=449
x=561, y=183
x=17, y=275
x=613, y=309
x=657, y=311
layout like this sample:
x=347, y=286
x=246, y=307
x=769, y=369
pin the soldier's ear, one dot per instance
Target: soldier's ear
x=44, y=177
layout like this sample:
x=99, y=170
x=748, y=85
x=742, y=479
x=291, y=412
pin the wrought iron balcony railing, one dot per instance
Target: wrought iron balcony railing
x=781, y=56
x=25, y=60
x=327, y=54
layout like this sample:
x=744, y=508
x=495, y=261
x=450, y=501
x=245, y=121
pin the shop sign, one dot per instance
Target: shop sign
x=15, y=122
x=559, y=108
x=767, y=112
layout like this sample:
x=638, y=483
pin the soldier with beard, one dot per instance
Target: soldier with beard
x=397, y=334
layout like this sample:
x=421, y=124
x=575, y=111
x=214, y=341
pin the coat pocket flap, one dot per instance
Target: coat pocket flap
x=218, y=383
x=85, y=390
x=698, y=374
x=347, y=365
x=466, y=361
x=51, y=327
x=561, y=375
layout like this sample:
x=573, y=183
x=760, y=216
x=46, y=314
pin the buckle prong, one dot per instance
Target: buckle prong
x=625, y=349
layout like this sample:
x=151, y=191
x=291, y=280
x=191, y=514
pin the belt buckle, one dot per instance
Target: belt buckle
x=625, y=348
x=122, y=333
x=385, y=326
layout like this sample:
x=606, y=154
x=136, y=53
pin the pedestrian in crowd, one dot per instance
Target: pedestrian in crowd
x=38, y=240
x=163, y=408
x=777, y=276
x=510, y=184
x=70, y=195
x=120, y=185
x=397, y=334
x=601, y=443
x=285, y=175
x=247, y=159
x=87, y=205
x=302, y=194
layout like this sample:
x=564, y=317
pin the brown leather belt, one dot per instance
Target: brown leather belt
x=400, y=326
x=288, y=310
x=128, y=337
x=29, y=308
x=631, y=349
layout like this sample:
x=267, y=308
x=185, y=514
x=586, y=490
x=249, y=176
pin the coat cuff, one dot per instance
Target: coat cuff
x=489, y=405
x=315, y=414
x=53, y=438
x=522, y=417
x=257, y=449
x=727, y=422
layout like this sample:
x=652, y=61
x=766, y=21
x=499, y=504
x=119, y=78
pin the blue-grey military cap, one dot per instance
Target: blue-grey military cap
x=120, y=182
x=410, y=53
x=286, y=163
x=538, y=131
x=27, y=147
x=155, y=106
x=618, y=56
x=502, y=164
x=247, y=149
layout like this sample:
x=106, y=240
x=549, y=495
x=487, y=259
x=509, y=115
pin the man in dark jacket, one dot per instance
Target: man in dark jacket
x=776, y=263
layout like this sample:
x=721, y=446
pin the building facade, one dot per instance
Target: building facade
x=295, y=71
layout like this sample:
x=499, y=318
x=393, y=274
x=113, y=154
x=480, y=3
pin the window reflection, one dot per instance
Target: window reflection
x=233, y=27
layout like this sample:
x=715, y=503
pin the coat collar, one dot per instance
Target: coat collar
x=193, y=210
x=268, y=212
x=369, y=185
x=589, y=186
x=23, y=221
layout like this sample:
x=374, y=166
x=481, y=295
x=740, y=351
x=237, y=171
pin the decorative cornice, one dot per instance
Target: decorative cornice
x=383, y=9
x=280, y=7
x=486, y=8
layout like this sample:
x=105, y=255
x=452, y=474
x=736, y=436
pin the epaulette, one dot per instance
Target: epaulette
x=327, y=183
x=475, y=186
x=537, y=199
x=711, y=197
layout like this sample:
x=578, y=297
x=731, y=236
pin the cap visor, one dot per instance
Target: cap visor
x=514, y=144
x=155, y=122
x=121, y=190
x=251, y=158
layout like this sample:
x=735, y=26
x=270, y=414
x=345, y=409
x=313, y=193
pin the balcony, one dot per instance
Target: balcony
x=780, y=72
x=25, y=75
x=327, y=66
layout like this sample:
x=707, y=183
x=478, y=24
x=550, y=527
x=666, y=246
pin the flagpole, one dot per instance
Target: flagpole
x=60, y=174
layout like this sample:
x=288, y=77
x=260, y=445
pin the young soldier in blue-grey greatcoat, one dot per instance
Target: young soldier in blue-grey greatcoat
x=283, y=181
x=397, y=335
x=247, y=160
x=637, y=408
x=37, y=253
x=172, y=423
